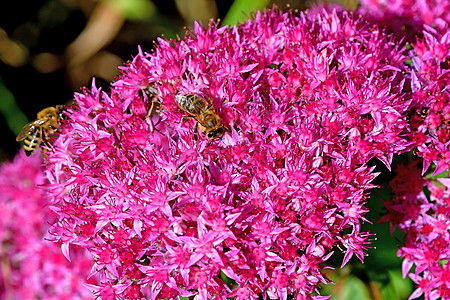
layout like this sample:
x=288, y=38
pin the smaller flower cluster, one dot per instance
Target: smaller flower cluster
x=430, y=109
x=424, y=215
x=406, y=18
x=31, y=267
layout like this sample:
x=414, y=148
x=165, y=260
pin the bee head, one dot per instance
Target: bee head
x=60, y=110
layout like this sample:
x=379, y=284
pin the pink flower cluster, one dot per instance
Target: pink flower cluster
x=430, y=109
x=406, y=18
x=307, y=100
x=32, y=268
x=424, y=215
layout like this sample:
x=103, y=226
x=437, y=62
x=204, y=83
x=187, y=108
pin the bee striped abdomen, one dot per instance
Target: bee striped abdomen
x=32, y=141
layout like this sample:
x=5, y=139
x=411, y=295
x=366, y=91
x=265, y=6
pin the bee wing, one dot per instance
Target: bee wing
x=24, y=132
x=27, y=129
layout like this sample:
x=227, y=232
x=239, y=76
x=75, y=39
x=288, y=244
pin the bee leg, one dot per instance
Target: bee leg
x=153, y=97
x=45, y=145
x=150, y=110
x=155, y=104
x=46, y=135
x=185, y=118
x=210, y=142
x=196, y=131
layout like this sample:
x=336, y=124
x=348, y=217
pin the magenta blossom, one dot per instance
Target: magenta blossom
x=425, y=218
x=430, y=109
x=306, y=100
x=406, y=18
x=32, y=267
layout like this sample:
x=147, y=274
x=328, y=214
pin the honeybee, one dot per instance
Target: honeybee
x=203, y=112
x=39, y=131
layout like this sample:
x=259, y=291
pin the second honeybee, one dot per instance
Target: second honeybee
x=39, y=131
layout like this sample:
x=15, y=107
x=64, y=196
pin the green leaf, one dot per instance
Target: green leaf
x=240, y=9
x=403, y=287
x=355, y=289
x=444, y=174
x=14, y=117
x=134, y=9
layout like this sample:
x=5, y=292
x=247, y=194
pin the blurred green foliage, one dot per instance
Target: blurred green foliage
x=14, y=117
x=241, y=9
x=134, y=9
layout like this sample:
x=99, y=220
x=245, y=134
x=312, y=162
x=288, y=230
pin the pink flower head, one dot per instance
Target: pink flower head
x=425, y=220
x=32, y=267
x=306, y=100
x=407, y=18
x=430, y=109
